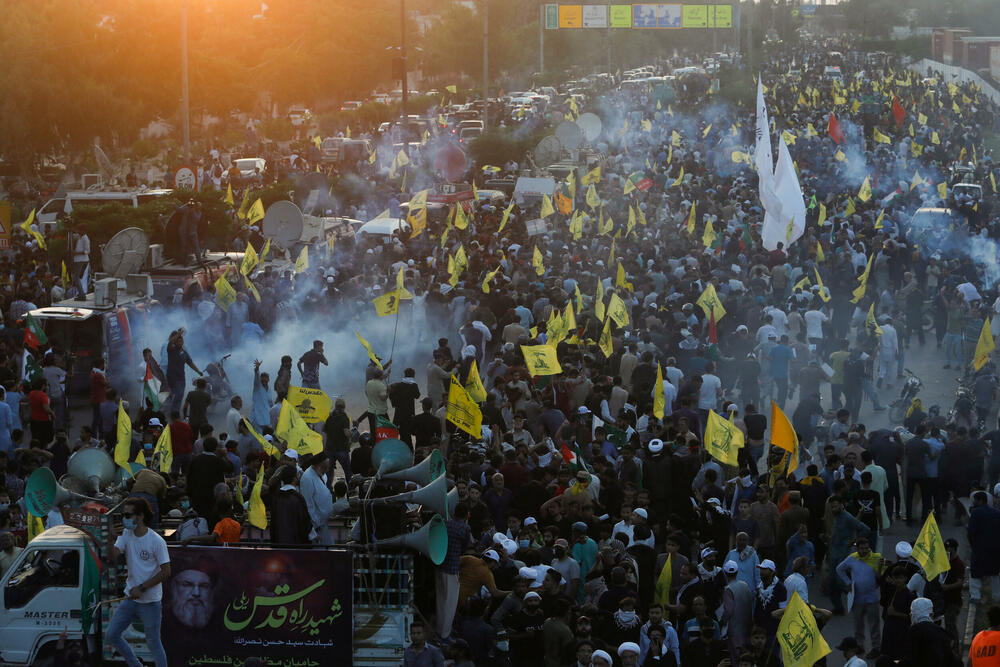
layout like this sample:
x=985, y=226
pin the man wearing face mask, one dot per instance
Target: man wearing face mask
x=565, y=565
x=927, y=642
x=148, y=565
x=8, y=550
x=150, y=486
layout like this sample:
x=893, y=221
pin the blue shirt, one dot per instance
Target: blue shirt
x=794, y=549
x=866, y=590
x=780, y=355
x=931, y=465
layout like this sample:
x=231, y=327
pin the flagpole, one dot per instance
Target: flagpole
x=395, y=329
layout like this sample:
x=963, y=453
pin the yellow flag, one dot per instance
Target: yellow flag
x=592, y=177
x=802, y=644
x=229, y=195
x=783, y=436
x=710, y=303
x=621, y=279
x=388, y=303
x=708, y=237
x=822, y=215
x=942, y=189
x=541, y=360
x=661, y=594
x=680, y=178
x=489, y=277
x=368, y=349
x=266, y=249
x=993, y=182
x=839, y=156
x=865, y=193
x=576, y=225
x=870, y=323
x=255, y=212
x=537, y=262
x=811, y=131
x=984, y=346
x=628, y=187
x=579, y=299
x=294, y=430
x=917, y=179
x=250, y=260
x=935, y=139
x=35, y=526
x=723, y=439
x=922, y=119
x=820, y=255
x=416, y=213
x=244, y=205
x=617, y=311
x=547, y=208
x=659, y=398
x=462, y=410
x=165, y=448
x=252, y=289
x=268, y=448
x=65, y=274
x=593, y=201
x=255, y=511
x=373, y=157
x=859, y=291
x=692, y=220
x=474, y=384
x=123, y=446
x=819, y=283
x=461, y=221
x=26, y=226
x=881, y=138
x=929, y=549
x=611, y=253
x=506, y=215
x=646, y=126
x=788, y=137
x=605, y=343
x=599, y=300
x=916, y=150
x=302, y=262
x=225, y=295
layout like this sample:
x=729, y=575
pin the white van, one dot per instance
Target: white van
x=50, y=211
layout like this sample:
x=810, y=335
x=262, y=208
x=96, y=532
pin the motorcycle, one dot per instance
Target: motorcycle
x=911, y=387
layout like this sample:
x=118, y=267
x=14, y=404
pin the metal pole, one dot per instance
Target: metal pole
x=185, y=101
x=405, y=86
x=486, y=64
x=541, y=39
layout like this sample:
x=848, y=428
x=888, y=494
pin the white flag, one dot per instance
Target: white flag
x=786, y=220
x=762, y=150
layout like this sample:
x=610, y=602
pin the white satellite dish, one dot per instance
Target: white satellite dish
x=590, y=124
x=125, y=253
x=548, y=151
x=569, y=135
x=283, y=223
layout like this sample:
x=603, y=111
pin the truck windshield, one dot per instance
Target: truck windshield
x=43, y=568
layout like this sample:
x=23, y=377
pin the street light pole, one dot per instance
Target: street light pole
x=486, y=64
x=185, y=101
x=405, y=86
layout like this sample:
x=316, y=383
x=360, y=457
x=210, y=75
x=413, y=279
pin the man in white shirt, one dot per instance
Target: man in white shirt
x=711, y=390
x=148, y=565
x=81, y=251
x=815, y=318
x=851, y=650
x=672, y=373
x=766, y=330
x=319, y=499
x=669, y=396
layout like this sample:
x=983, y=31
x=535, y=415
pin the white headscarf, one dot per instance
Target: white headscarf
x=921, y=610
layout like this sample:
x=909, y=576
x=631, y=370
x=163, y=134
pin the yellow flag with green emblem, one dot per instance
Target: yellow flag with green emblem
x=123, y=444
x=865, y=193
x=462, y=411
x=537, y=263
x=617, y=311
x=229, y=195
x=165, y=448
x=268, y=448
x=801, y=642
x=541, y=360
x=250, y=260
x=255, y=212
x=723, y=439
x=302, y=261
x=474, y=384
x=929, y=549
x=984, y=346
x=547, y=207
x=710, y=303
x=225, y=295
x=369, y=350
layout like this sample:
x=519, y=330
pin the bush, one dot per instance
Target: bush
x=498, y=145
x=277, y=129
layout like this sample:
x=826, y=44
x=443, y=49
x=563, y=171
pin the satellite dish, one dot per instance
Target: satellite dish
x=283, y=223
x=311, y=190
x=569, y=135
x=590, y=124
x=548, y=151
x=125, y=253
x=451, y=163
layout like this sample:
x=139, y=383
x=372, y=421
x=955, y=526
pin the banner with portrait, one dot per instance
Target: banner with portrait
x=286, y=606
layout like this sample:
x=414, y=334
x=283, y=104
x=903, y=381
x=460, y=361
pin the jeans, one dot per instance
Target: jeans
x=953, y=348
x=867, y=614
x=782, y=393
x=871, y=393
x=344, y=459
x=176, y=394
x=151, y=614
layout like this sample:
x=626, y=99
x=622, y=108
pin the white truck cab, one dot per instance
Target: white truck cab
x=42, y=595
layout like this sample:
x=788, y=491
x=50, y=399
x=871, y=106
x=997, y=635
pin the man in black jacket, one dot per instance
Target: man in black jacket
x=290, y=522
x=403, y=394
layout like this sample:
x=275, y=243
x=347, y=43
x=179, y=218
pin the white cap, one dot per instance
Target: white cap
x=292, y=454
x=742, y=327
x=730, y=567
x=527, y=572
x=641, y=512
x=767, y=564
x=499, y=538
x=627, y=647
x=903, y=549
x=155, y=422
x=707, y=551
x=655, y=445
x=530, y=521
x=600, y=654
x=532, y=595
x=510, y=546
x=492, y=555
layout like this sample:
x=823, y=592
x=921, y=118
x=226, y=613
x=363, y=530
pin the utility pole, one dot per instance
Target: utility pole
x=185, y=100
x=541, y=39
x=486, y=64
x=405, y=85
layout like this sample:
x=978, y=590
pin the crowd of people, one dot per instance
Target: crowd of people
x=593, y=526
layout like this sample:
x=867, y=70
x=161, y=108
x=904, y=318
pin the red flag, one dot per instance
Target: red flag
x=898, y=112
x=713, y=335
x=833, y=128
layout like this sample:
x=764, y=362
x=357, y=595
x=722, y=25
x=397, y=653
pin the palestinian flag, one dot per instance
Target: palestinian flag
x=151, y=389
x=34, y=335
x=573, y=457
x=746, y=239
x=91, y=589
x=385, y=429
